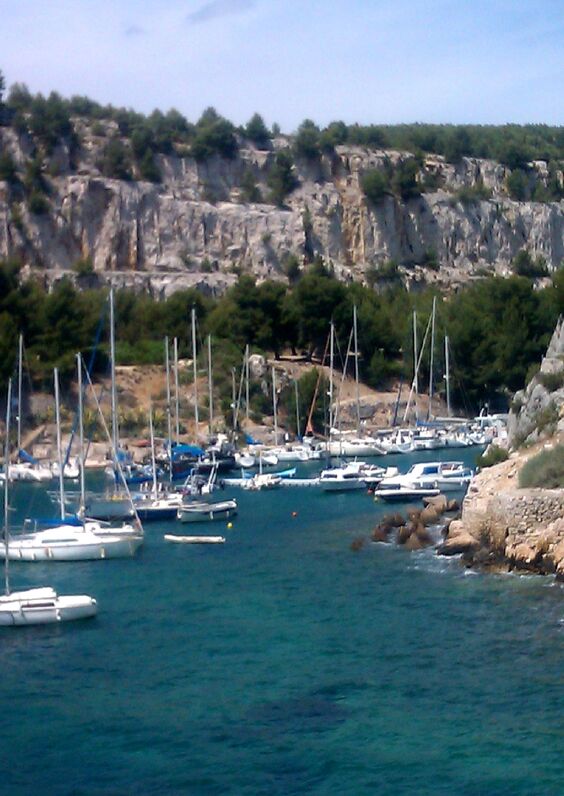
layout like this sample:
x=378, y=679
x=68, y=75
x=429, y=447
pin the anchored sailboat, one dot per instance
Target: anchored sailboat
x=34, y=606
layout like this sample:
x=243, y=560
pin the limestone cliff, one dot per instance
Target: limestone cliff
x=502, y=524
x=193, y=228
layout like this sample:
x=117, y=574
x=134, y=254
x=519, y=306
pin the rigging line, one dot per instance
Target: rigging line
x=343, y=377
x=89, y=368
x=114, y=451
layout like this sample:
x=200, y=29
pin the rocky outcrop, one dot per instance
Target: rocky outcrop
x=195, y=229
x=508, y=527
x=538, y=411
x=503, y=525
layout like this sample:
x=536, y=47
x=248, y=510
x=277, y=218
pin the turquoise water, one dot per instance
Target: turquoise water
x=285, y=663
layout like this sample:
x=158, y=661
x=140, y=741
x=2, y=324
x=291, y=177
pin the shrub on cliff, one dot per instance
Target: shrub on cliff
x=545, y=470
x=281, y=179
x=493, y=455
x=375, y=185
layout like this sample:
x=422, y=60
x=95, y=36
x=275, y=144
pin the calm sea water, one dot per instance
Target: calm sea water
x=285, y=663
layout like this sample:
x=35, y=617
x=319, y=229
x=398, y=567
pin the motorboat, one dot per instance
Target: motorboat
x=342, y=479
x=402, y=494
x=445, y=476
x=202, y=511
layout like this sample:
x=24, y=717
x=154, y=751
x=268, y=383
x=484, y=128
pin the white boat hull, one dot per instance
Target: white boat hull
x=44, y=606
x=207, y=512
x=56, y=545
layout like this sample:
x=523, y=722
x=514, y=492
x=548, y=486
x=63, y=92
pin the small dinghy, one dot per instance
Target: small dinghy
x=200, y=511
x=171, y=537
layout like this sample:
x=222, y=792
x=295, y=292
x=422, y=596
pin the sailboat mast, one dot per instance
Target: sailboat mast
x=113, y=394
x=176, y=392
x=331, y=357
x=20, y=378
x=195, y=368
x=234, y=398
x=210, y=384
x=6, y=493
x=296, y=392
x=430, y=412
x=274, y=406
x=59, y=446
x=168, y=412
x=355, y=330
x=81, y=432
x=153, y=460
x=247, y=383
x=415, y=356
x=447, y=376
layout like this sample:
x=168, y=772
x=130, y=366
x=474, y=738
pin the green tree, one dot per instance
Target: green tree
x=115, y=161
x=517, y=185
x=257, y=132
x=307, y=140
x=281, y=179
x=214, y=136
x=375, y=185
x=404, y=179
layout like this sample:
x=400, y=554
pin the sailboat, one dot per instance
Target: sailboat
x=69, y=540
x=38, y=606
x=156, y=505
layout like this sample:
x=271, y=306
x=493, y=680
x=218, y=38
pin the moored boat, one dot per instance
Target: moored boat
x=201, y=511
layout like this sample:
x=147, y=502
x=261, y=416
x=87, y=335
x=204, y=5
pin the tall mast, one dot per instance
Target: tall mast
x=20, y=374
x=210, y=384
x=59, y=446
x=234, y=398
x=356, y=370
x=195, y=367
x=153, y=460
x=274, y=405
x=447, y=376
x=415, y=356
x=298, y=424
x=331, y=356
x=6, y=493
x=430, y=412
x=176, y=392
x=247, y=383
x=168, y=412
x=81, y=432
x=113, y=394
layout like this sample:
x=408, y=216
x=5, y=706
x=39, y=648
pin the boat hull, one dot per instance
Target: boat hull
x=43, y=607
x=118, y=547
x=208, y=512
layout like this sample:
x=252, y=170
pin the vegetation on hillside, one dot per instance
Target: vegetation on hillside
x=497, y=327
x=546, y=470
x=134, y=140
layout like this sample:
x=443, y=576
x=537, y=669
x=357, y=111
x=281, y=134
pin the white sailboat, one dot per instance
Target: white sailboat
x=38, y=606
x=69, y=542
x=156, y=505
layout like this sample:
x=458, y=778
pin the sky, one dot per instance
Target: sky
x=366, y=61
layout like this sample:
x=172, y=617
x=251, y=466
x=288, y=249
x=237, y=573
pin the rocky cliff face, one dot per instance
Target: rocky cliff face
x=194, y=228
x=501, y=524
x=538, y=411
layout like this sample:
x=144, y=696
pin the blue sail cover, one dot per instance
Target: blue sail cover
x=186, y=450
x=27, y=457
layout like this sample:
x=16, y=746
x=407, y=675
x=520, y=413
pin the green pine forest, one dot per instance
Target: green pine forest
x=498, y=328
